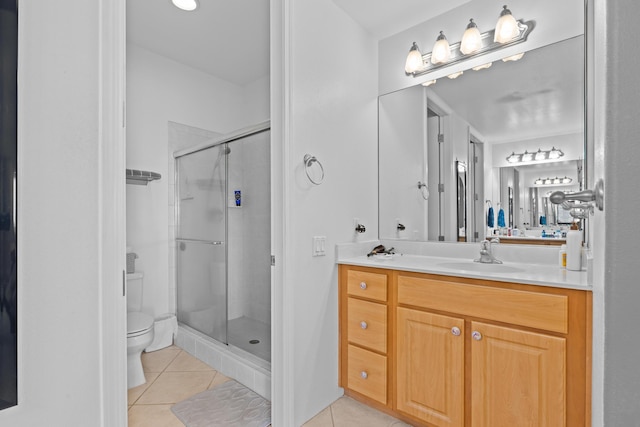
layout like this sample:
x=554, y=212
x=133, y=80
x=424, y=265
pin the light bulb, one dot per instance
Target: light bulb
x=557, y=180
x=527, y=157
x=548, y=181
x=555, y=153
x=414, y=60
x=441, y=51
x=188, y=5
x=513, y=158
x=506, y=28
x=471, y=39
x=566, y=180
x=541, y=155
x=538, y=181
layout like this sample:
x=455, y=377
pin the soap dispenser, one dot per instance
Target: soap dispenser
x=574, y=248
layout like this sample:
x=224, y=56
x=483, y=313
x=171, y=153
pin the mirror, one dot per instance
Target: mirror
x=479, y=119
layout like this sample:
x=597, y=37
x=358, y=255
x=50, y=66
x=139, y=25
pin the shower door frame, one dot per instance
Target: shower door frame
x=225, y=139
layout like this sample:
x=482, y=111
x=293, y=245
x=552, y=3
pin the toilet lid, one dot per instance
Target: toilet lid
x=138, y=322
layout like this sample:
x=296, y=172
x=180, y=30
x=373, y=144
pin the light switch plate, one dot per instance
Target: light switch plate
x=319, y=246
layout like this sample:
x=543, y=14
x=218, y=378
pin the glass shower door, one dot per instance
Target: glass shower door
x=201, y=241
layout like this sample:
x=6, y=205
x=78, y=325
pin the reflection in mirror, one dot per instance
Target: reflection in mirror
x=483, y=117
x=461, y=196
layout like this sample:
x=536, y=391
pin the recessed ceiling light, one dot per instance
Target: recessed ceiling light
x=188, y=5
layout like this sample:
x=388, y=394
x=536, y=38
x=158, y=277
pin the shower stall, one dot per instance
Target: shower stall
x=223, y=240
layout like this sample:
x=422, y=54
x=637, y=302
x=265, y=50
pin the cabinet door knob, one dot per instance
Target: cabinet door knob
x=364, y=325
x=476, y=335
x=455, y=331
x=363, y=285
x=364, y=375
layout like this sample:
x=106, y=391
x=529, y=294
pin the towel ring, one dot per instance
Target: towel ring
x=309, y=160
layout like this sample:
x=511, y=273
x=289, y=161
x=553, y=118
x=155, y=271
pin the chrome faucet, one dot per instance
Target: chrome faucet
x=486, y=252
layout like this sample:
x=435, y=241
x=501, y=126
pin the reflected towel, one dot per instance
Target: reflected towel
x=501, y=218
x=490, y=217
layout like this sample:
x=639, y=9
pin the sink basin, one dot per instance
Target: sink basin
x=480, y=267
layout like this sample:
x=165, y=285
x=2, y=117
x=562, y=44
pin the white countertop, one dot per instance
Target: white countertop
x=516, y=272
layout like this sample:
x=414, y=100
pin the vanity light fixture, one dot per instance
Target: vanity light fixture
x=538, y=156
x=429, y=83
x=186, y=5
x=508, y=32
x=455, y=75
x=513, y=58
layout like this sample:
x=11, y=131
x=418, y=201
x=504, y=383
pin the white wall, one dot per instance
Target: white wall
x=59, y=236
x=334, y=117
x=160, y=90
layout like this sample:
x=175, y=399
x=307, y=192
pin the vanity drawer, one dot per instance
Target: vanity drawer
x=367, y=373
x=367, y=285
x=526, y=308
x=367, y=324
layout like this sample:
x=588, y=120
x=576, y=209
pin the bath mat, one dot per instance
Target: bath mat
x=229, y=404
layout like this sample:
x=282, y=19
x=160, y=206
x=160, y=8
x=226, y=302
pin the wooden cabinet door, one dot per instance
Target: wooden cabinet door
x=430, y=367
x=518, y=378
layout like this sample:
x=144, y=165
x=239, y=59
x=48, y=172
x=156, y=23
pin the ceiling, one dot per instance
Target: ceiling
x=230, y=38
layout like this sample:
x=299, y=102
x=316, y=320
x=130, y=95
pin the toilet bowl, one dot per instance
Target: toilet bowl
x=139, y=336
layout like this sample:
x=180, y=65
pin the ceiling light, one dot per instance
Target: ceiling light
x=515, y=57
x=548, y=181
x=566, y=180
x=188, y=5
x=483, y=66
x=506, y=27
x=471, y=39
x=441, y=51
x=414, y=60
x=429, y=83
x=526, y=156
x=455, y=75
x=539, y=181
x=541, y=155
x=557, y=180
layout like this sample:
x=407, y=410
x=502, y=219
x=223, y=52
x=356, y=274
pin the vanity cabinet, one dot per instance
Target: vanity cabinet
x=468, y=352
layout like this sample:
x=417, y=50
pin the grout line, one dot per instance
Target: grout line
x=333, y=423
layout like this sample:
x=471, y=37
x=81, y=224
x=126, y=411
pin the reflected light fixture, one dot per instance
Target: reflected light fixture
x=537, y=156
x=187, y=5
x=455, y=75
x=429, y=83
x=506, y=27
x=508, y=32
x=414, y=60
x=553, y=181
x=515, y=57
x=471, y=39
x=483, y=66
x=441, y=51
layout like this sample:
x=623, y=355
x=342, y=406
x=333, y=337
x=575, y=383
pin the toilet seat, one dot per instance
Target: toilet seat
x=138, y=324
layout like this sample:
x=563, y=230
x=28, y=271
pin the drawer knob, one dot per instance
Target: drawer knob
x=364, y=325
x=476, y=335
x=363, y=285
x=455, y=331
x=364, y=375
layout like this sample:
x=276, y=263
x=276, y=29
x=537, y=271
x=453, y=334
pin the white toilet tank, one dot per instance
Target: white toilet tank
x=134, y=291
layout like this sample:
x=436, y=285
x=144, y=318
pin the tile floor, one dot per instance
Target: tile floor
x=174, y=375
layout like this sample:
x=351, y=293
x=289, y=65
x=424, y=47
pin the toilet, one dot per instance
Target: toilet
x=139, y=330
